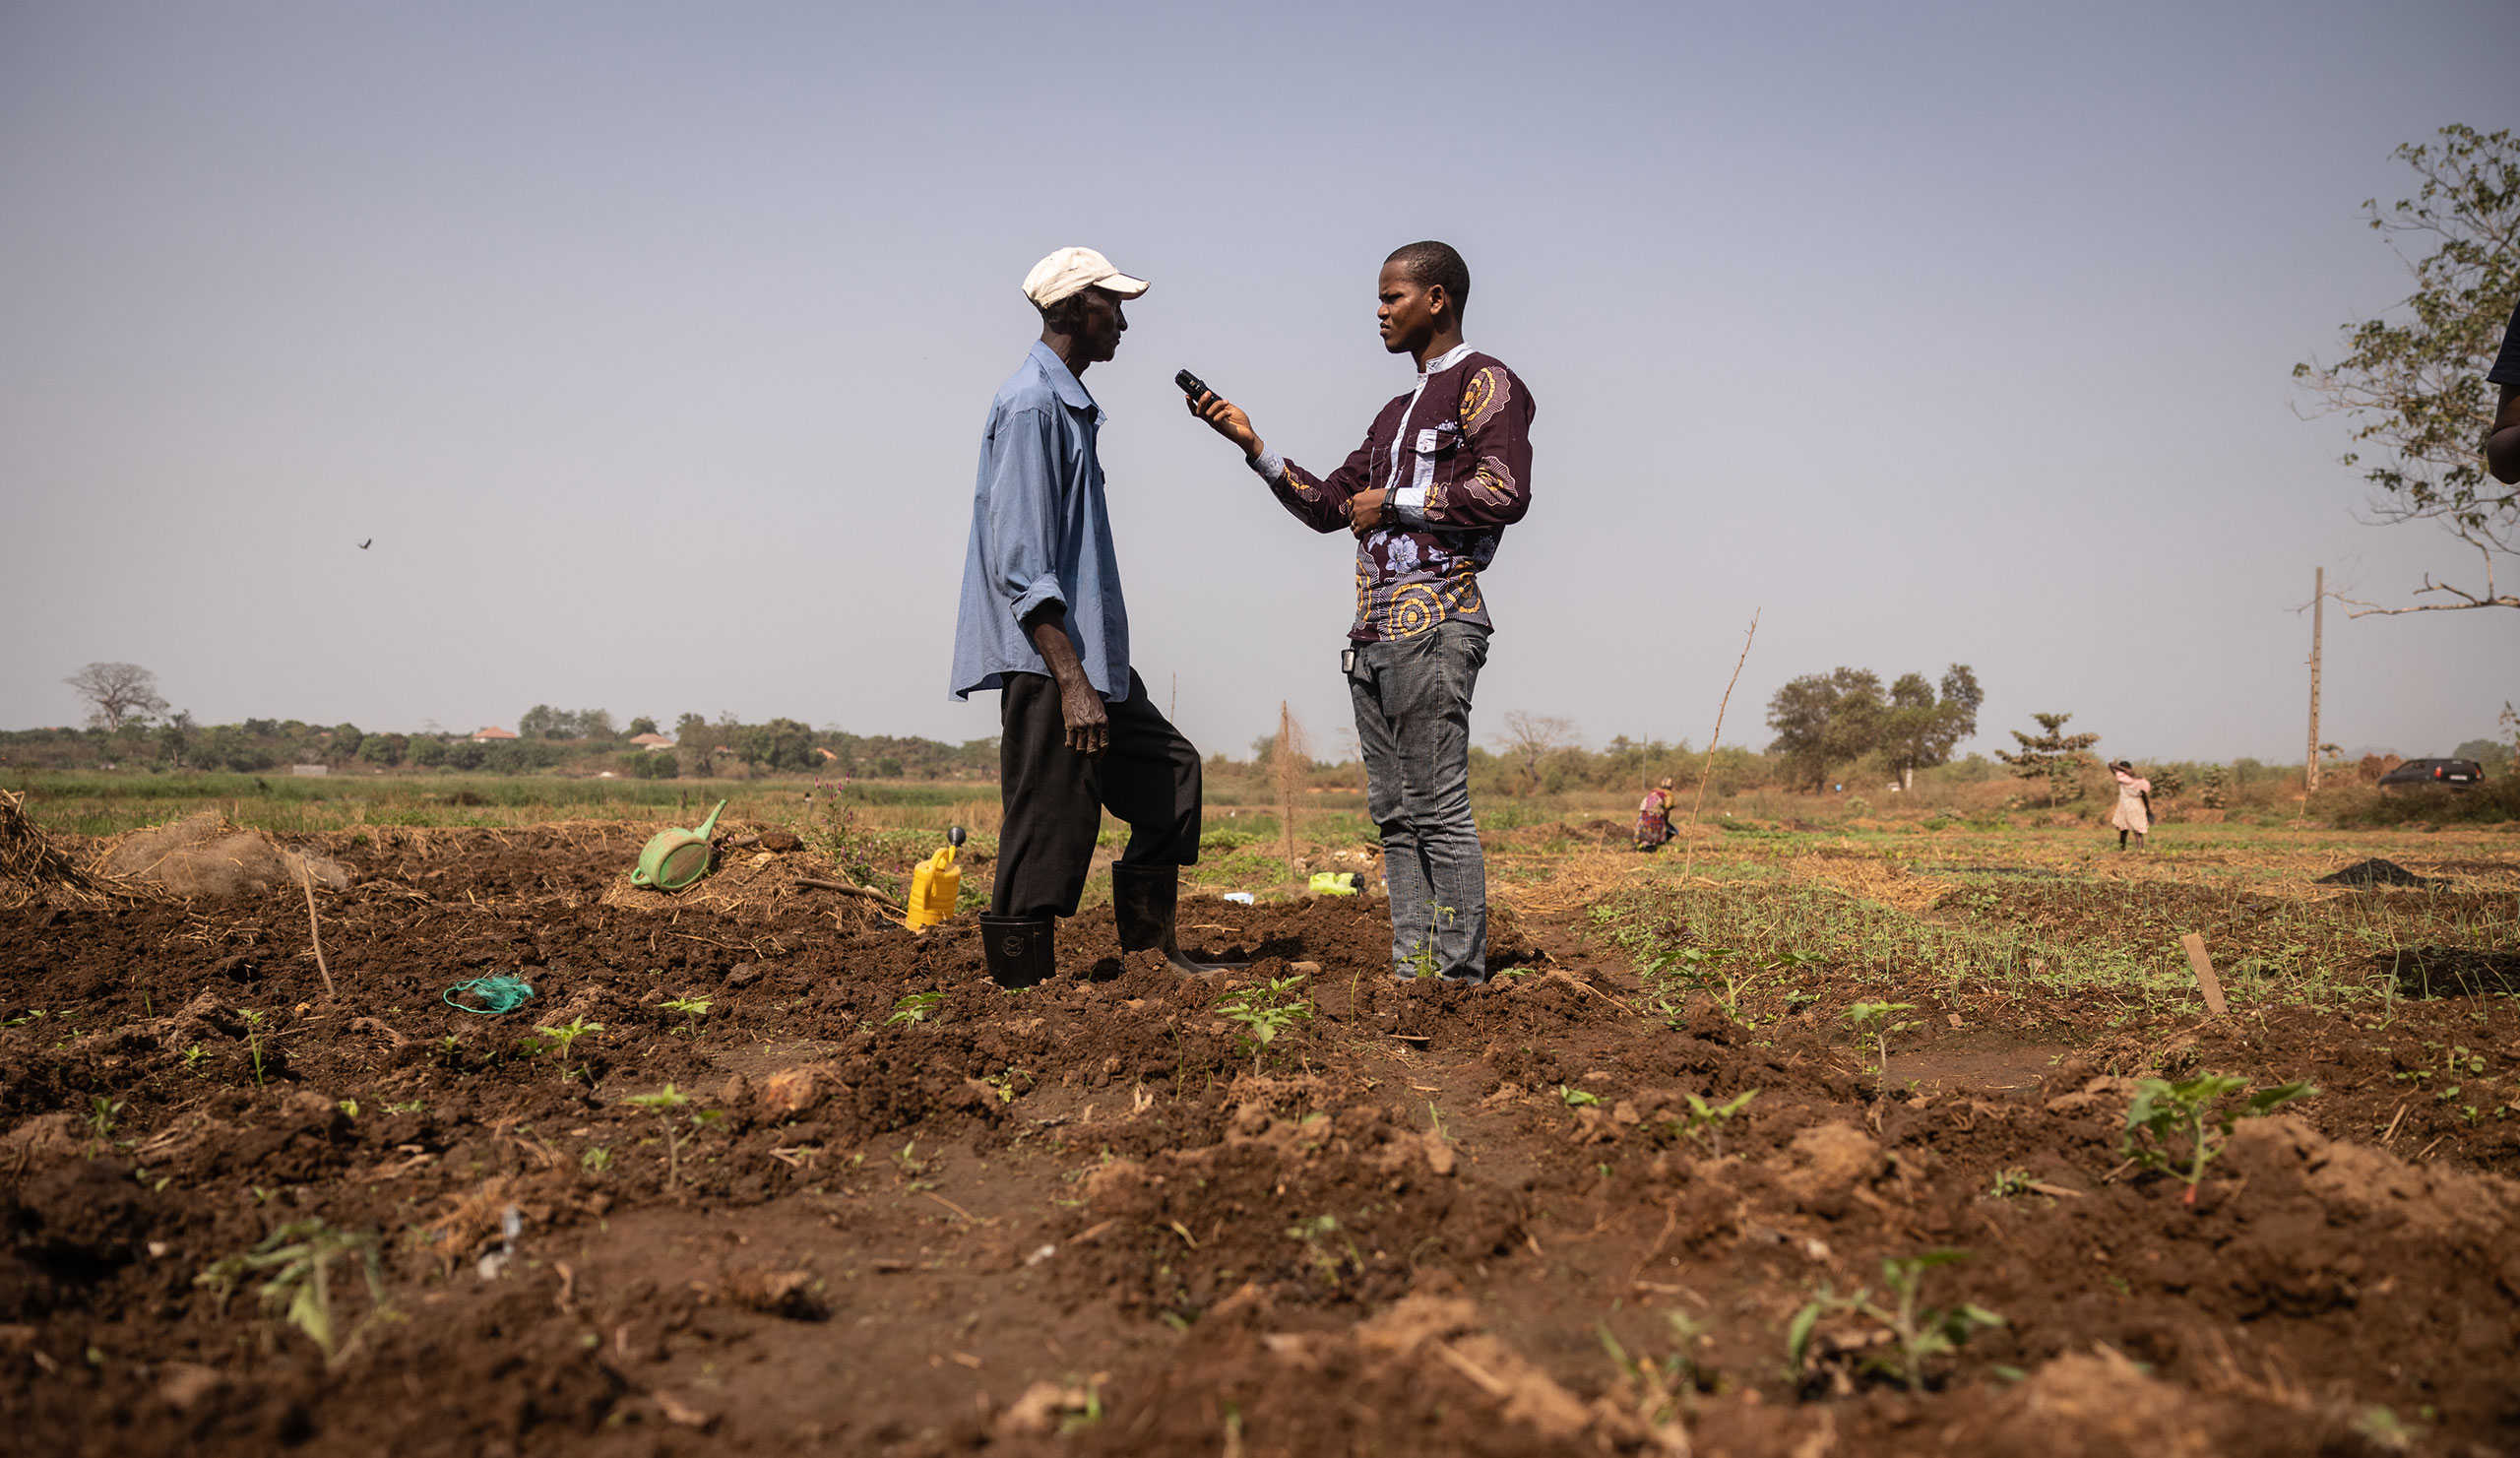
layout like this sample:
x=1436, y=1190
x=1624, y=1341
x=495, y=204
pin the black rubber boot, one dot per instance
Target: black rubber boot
x=1145, y=901
x=1019, y=949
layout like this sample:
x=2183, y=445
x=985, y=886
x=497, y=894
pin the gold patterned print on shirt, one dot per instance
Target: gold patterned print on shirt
x=1487, y=391
x=1492, y=482
x=1414, y=607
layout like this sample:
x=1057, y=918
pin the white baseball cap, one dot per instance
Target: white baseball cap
x=1073, y=270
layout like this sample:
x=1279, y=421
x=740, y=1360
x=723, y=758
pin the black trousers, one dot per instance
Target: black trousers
x=1054, y=797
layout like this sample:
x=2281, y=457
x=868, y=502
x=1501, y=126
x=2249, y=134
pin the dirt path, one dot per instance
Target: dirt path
x=1081, y=1219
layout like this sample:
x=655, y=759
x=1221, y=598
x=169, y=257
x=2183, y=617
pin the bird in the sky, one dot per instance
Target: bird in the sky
x=362, y=546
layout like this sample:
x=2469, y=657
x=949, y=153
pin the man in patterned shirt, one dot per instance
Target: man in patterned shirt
x=1443, y=470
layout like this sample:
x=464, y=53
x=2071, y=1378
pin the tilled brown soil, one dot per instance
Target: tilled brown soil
x=1085, y=1219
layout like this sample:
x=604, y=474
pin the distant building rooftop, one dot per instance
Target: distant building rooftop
x=483, y=735
x=652, y=741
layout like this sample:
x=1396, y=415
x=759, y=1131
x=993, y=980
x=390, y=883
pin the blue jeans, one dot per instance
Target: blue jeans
x=1411, y=697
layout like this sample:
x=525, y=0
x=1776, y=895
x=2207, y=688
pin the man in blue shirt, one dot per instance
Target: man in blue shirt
x=1042, y=623
x=2502, y=442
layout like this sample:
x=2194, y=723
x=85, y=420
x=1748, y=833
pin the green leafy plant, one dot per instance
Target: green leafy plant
x=254, y=1040
x=1706, y=1121
x=1722, y=973
x=300, y=1257
x=1575, y=1098
x=192, y=1059
x=1876, y=1022
x=564, y=1037
x=1918, y=1332
x=2013, y=1183
x=913, y=1007
x=1265, y=1010
x=595, y=1160
x=2193, y=1112
x=693, y=1009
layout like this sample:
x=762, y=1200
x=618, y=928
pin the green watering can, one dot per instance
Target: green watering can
x=674, y=859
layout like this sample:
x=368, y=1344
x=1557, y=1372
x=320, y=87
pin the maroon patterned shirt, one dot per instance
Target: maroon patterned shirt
x=1456, y=456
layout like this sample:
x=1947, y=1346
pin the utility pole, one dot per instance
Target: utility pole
x=2318, y=614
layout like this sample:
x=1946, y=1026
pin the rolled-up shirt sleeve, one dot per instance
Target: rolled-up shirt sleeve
x=1023, y=516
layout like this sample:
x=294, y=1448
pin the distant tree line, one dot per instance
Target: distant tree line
x=129, y=728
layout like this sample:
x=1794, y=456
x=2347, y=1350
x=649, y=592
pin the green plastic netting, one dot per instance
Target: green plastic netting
x=501, y=993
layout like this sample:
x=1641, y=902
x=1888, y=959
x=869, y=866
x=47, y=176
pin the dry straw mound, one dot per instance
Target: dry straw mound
x=206, y=854
x=34, y=870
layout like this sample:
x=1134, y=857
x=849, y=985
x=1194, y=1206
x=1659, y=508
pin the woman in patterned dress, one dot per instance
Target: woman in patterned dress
x=1654, y=817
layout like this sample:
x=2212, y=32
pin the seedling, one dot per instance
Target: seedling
x=564, y=1036
x=1577, y=1098
x=693, y=1009
x=1875, y=1021
x=1707, y=1121
x=101, y=1112
x=1085, y=1411
x=415, y=1106
x=1265, y=1010
x=254, y=1040
x=2011, y=1183
x=1920, y=1333
x=2193, y=1110
x=596, y=1159
x=662, y=1103
x=913, y=1007
x=1660, y=1388
x=24, y=1018
x=192, y=1059
x=300, y=1255
x=1315, y=1235
x=348, y=1107
x=1707, y=968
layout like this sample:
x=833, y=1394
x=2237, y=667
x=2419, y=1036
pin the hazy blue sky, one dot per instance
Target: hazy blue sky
x=651, y=344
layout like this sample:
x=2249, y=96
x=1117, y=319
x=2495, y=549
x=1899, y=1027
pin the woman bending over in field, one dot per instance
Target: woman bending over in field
x=2134, y=814
x=1654, y=817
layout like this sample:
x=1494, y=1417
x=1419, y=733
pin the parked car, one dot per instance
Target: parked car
x=2458, y=774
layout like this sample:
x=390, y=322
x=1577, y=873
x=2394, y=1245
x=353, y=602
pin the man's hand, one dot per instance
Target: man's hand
x=1088, y=724
x=1367, y=510
x=1227, y=419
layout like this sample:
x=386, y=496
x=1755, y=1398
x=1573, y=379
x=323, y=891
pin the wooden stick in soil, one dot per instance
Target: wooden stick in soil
x=1291, y=765
x=2203, y=966
x=314, y=925
x=1690, y=862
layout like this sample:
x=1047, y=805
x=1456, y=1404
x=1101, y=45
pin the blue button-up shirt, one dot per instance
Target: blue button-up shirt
x=1041, y=534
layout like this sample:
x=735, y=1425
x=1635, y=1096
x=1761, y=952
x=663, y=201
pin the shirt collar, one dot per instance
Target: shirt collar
x=1446, y=360
x=1062, y=380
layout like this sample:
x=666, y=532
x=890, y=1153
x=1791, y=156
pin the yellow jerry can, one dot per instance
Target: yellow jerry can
x=936, y=884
